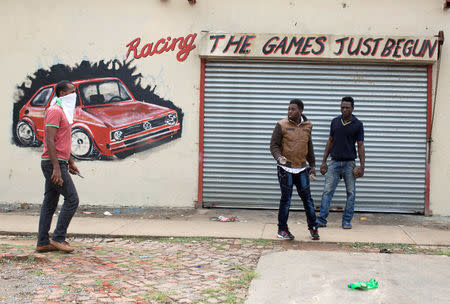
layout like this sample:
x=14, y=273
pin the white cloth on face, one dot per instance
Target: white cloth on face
x=67, y=103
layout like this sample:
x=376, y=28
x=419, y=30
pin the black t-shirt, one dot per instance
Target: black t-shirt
x=345, y=135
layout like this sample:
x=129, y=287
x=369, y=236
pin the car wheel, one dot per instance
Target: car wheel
x=82, y=145
x=25, y=134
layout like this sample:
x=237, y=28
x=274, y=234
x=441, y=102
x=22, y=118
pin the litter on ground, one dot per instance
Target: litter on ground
x=221, y=218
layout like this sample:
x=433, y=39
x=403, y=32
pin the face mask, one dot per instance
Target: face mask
x=67, y=103
x=69, y=100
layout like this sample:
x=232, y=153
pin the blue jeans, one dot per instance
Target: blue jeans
x=51, y=198
x=301, y=181
x=336, y=170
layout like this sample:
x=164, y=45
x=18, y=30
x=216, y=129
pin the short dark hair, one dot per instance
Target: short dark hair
x=349, y=99
x=298, y=102
x=61, y=86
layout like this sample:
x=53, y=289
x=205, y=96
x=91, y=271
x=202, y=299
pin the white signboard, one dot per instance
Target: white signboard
x=305, y=46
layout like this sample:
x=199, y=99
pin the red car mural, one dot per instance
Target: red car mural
x=108, y=119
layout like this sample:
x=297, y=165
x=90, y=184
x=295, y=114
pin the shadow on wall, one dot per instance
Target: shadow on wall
x=147, y=125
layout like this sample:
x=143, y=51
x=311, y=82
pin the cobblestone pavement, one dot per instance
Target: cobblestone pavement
x=164, y=270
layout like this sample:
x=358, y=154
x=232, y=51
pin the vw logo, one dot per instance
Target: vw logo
x=147, y=125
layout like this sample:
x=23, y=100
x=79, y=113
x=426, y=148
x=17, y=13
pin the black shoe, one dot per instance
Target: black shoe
x=285, y=235
x=320, y=224
x=314, y=233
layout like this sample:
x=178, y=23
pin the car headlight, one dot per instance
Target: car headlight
x=171, y=119
x=118, y=135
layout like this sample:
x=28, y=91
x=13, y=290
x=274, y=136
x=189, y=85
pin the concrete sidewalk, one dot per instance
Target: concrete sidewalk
x=258, y=224
x=313, y=277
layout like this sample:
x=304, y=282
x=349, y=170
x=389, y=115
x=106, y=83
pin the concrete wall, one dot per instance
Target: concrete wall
x=40, y=34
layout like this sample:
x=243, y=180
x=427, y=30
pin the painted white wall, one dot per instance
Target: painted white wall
x=38, y=34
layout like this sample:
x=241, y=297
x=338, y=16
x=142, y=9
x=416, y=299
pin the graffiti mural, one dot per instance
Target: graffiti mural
x=114, y=117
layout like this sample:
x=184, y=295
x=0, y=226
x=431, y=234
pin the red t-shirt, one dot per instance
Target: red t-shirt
x=55, y=117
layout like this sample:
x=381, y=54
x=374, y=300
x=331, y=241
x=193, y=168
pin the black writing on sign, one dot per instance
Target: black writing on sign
x=386, y=47
x=236, y=44
x=323, y=46
x=296, y=45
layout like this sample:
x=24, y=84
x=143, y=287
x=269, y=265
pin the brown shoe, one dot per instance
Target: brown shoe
x=46, y=248
x=63, y=246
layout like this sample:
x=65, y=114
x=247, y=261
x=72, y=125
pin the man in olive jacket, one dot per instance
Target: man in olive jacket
x=291, y=147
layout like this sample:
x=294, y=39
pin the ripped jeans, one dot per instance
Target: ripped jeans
x=301, y=181
x=336, y=170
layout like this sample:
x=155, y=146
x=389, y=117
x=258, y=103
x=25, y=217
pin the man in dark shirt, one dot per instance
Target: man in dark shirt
x=345, y=131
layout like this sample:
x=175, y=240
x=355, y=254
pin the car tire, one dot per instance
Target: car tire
x=25, y=134
x=83, y=146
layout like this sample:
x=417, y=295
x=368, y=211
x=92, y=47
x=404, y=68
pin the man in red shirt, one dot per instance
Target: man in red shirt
x=56, y=165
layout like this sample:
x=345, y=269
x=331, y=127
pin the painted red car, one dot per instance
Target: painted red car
x=108, y=119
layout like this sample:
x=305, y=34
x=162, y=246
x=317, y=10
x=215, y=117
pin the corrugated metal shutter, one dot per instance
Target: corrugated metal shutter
x=245, y=99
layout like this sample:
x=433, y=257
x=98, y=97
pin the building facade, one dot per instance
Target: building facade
x=177, y=100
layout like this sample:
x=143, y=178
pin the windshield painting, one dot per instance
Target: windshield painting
x=105, y=92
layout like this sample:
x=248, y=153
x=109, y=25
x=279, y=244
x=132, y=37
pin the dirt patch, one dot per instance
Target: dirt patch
x=19, y=280
x=365, y=247
x=99, y=211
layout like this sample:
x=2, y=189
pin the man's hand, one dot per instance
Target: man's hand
x=282, y=160
x=72, y=168
x=358, y=172
x=361, y=171
x=312, y=174
x=323, y=168
x=56, y=176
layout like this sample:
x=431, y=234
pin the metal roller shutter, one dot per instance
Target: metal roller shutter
x=244, y=100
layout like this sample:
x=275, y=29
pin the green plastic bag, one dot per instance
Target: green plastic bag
x=371, y=284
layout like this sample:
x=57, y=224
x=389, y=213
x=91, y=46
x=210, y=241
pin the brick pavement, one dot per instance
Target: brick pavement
x=169, y=270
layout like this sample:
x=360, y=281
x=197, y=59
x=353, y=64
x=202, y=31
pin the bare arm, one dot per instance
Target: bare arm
x=362, y=157
x=50, y=133
x=324, y=167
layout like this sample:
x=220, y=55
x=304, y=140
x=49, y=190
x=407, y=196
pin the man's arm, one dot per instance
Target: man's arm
x=311, y=158
x=50, y=133
x=324, y=167
x=276, y=141
x=362, y=157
